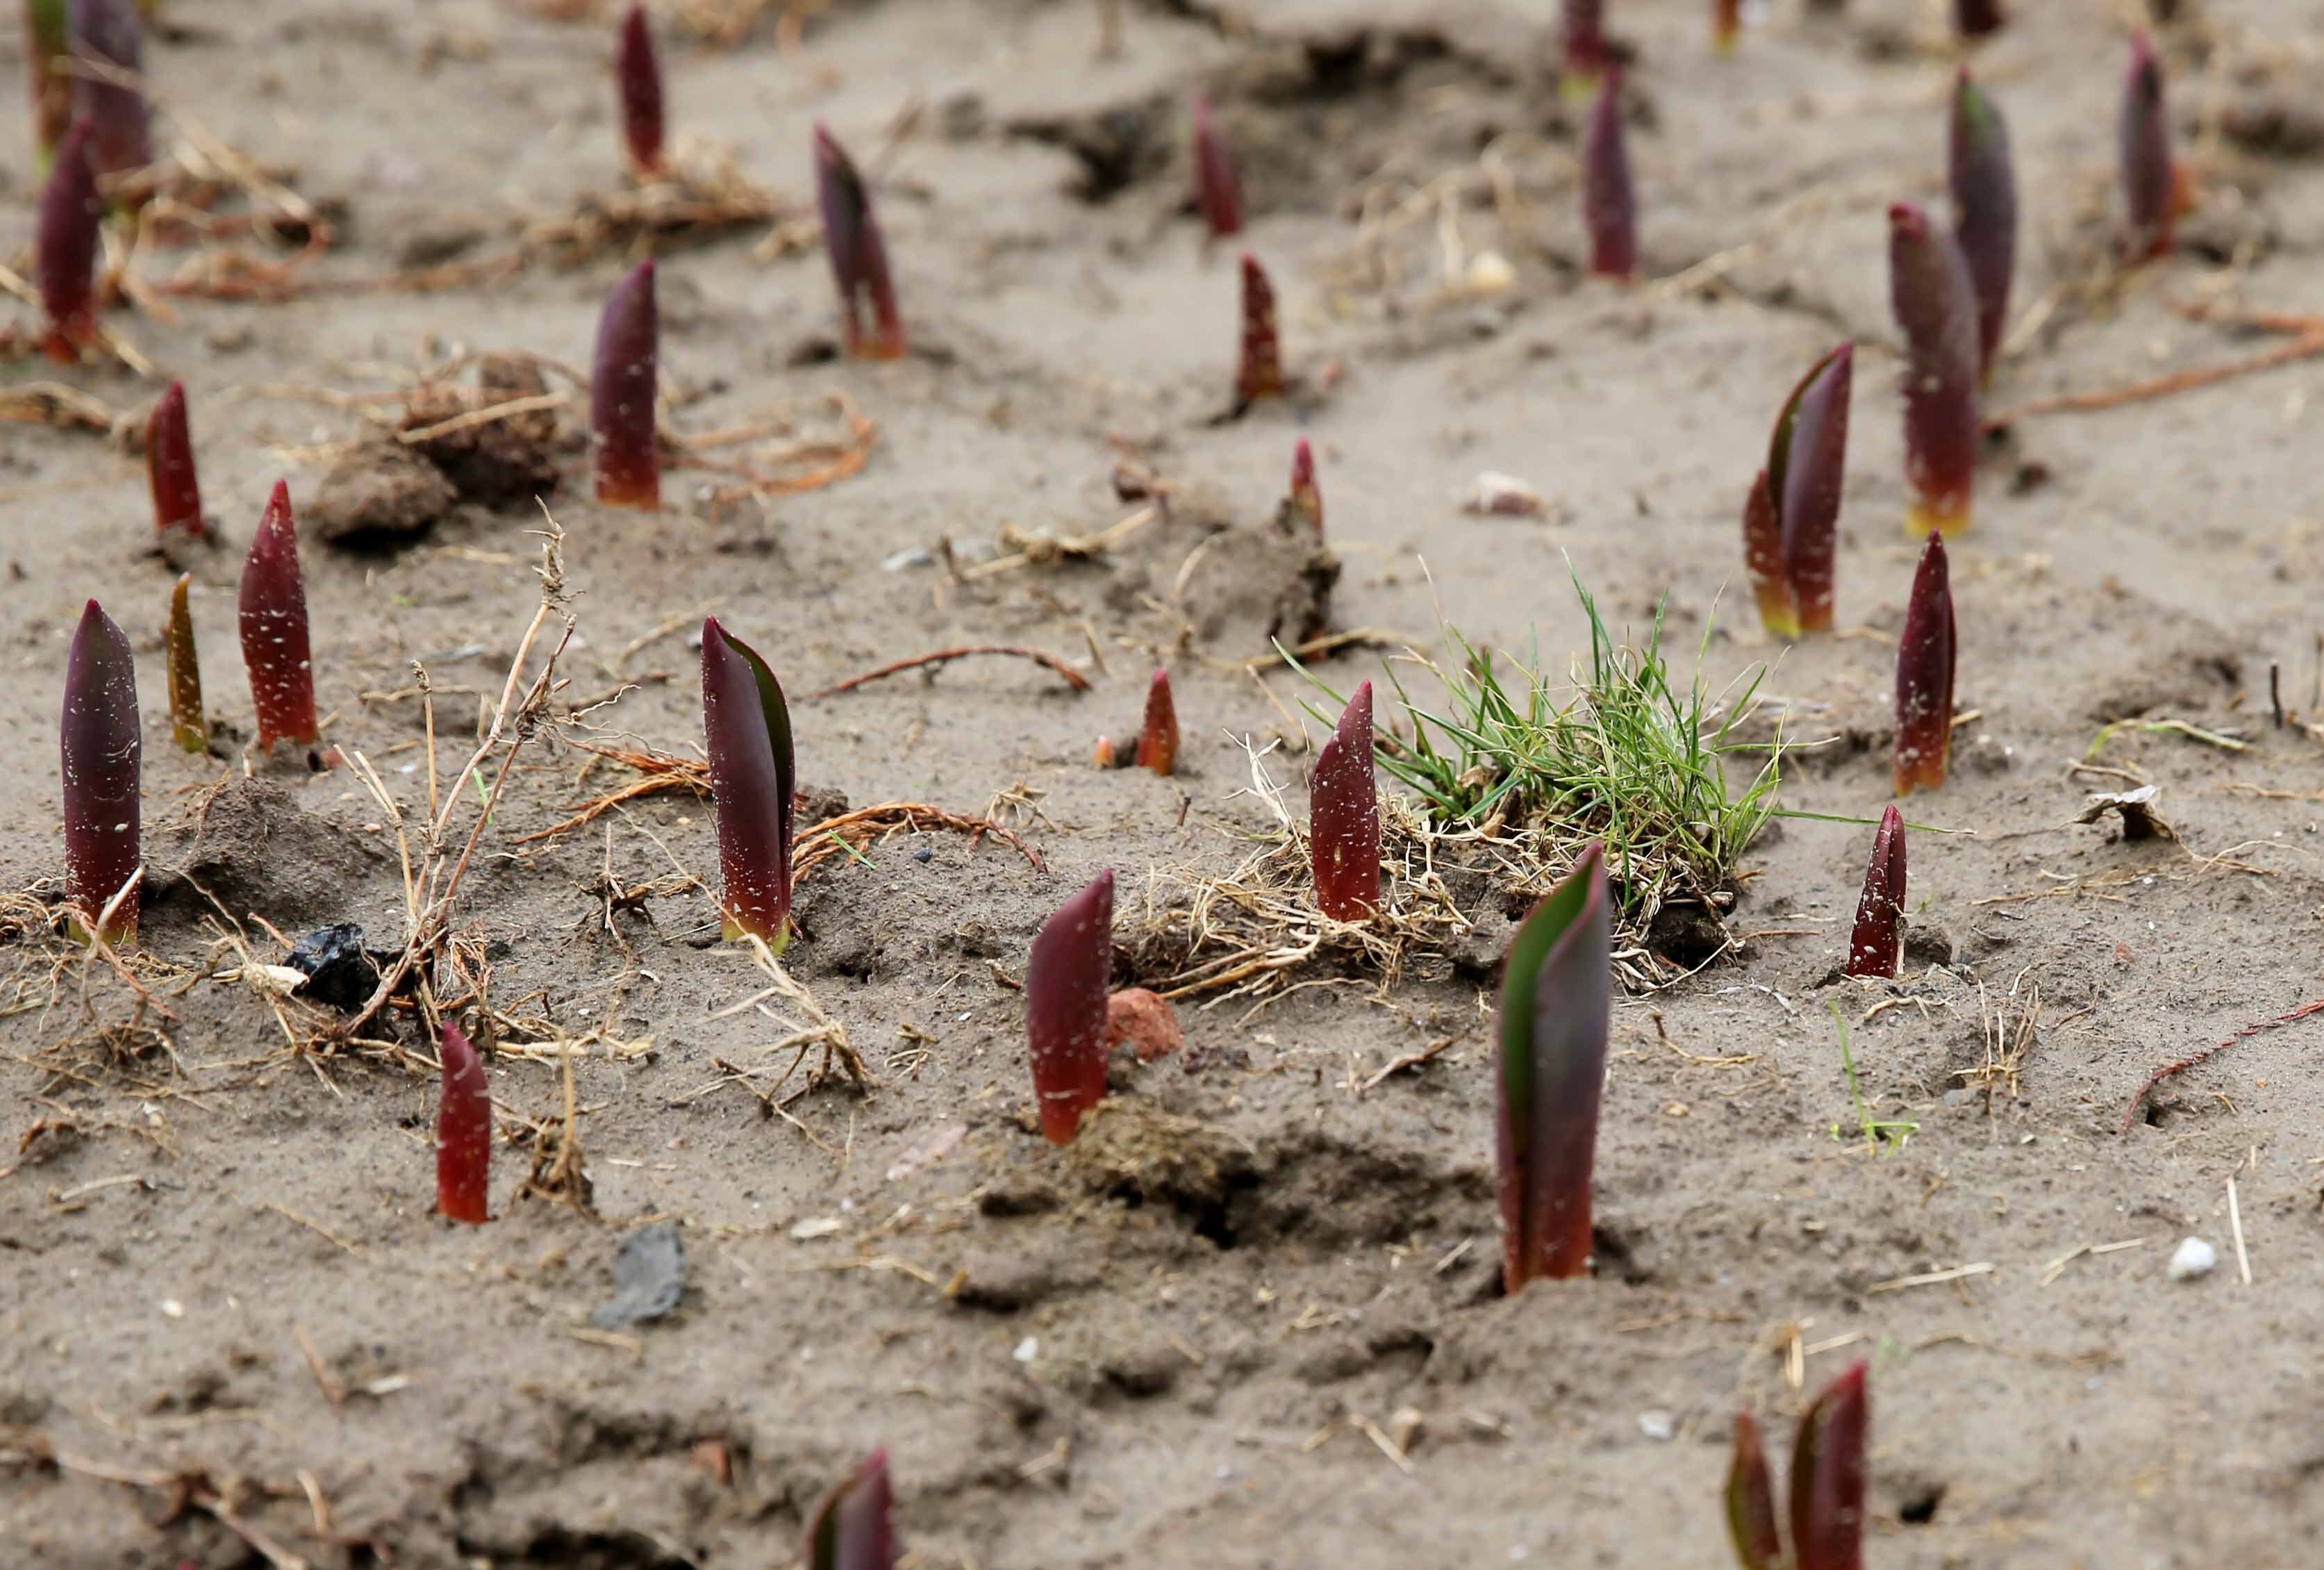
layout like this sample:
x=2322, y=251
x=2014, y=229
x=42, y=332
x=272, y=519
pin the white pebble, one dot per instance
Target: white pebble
x=1027, y=1350
x=1655, y=1425
x=2194, y=1259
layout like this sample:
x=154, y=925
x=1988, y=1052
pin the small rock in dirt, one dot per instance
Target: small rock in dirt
x=339, y=973
x=501, y=463
x=1656, y=1424
x=1501, y=496
x=380, y=495
x=2193, y=1259
x=1027, y=1350
x=648, y=1277
x=1144, y=1021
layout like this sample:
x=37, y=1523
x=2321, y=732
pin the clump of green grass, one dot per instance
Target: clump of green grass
x=1618, y=752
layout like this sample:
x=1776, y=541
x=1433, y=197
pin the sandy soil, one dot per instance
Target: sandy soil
x=1176, y=1343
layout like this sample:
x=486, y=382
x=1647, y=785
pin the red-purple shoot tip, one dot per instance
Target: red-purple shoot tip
x=1829, y=1472
x=1555, y=997
x=101, y=751
x=1791, y=522
x=1343, y=820
x=2149, y=189
x=854, y=1526
x=746, y=727
x=1258, y=371
x=186, y=721
x=1976, y=18
x=1875, y=948
x=1609, y=207
x=1065, y=982
x=47, y=41
x=1726, y=25
x=464, y=1132
x=274, y=630
x=65, y=248
x=1925, y=676
x=1217, y=192
x=108, y=35
x=621, y=393
x=1828, y=1476
x=1935, y=301
x=1158, y=739
x=1586, y=51
x=637, y=76
x=1751, y=1524
x=1306, y=502
x=1985, y=209
x=859, y=257
x=170, y=468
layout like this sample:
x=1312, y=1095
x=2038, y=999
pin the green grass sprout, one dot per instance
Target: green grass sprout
x=1876, y=1133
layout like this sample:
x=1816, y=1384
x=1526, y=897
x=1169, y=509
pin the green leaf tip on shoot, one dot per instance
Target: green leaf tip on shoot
x=65, y=247
x=621, y=386
x=464, y=1132
x=188, y=723
x=636, y=78
x=1556, y=997
x=1609, y=203
x=47, y=43
x=1791, y=520
x=1067, y=978
x=1876, y=946
x=273, y=621
x=859, y=255
x=854, y=1526
x=1344, y=819
x=1924, y=675
x=100, y=761
x=1935, y=302
x=746, y=729
x=1983, y=182
x=1583, y=37
x=1726, y=27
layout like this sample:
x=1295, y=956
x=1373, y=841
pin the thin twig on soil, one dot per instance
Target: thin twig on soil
x=2130, y=1114
x=1073, y=677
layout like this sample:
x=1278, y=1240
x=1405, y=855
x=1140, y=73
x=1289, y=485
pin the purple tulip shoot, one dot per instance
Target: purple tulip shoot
x=1586, y=51
x=1828, y=1476
x=1976, y=18
x=1556, y=998
x=854, y=1526
x=186, y=721
x=637, y=75
x=464, y=1132
x=108, y=32
x=1985, y=209
x=100, y=753
x=1343, y=820
x=1751, y=1522
x=859, y=257
x=1726, y=25
x=1791, y=522
x=1875, y=948
x=1610, y=207
x=170, y=468
x=46, y=40
x=621, y=393
x=1158, y=738
x=1925, y=676
x=1065, y=982
x=1259, y=373
x=1217, y=191
x=2149, y=188
x=1305, y=500
x=65, y=248
x=746, y=728
x=273, y=615
x=1935, y=303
